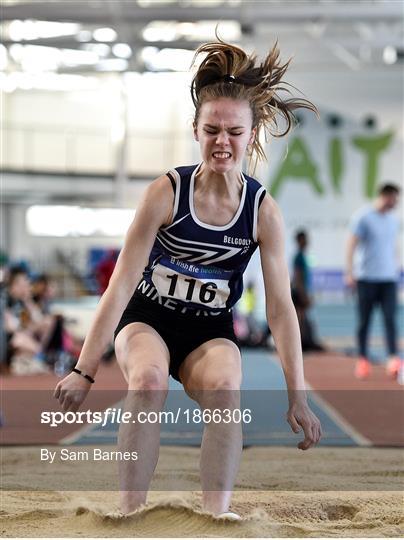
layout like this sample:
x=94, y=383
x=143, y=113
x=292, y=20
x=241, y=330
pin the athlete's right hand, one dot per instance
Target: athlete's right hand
x=72, y=391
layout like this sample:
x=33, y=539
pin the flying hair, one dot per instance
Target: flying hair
x=228, y=71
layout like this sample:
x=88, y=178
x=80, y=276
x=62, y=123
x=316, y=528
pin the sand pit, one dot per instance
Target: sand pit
x=339, y=492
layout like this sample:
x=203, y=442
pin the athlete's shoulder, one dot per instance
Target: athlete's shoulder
x=269, y=215
x=184, y=170
x=269, y=206
x=159, y=186
x=158, y=198
x=270, y=232
x=253, y=182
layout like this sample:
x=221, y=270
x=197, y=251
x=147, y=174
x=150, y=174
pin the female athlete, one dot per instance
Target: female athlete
x=181, y=269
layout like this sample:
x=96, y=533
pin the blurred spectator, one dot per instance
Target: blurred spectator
x=301, y=294
x=3, y=295
x=373, y=235
x=20, y=324
x=43, y=292
x=104, y=269
x=248, y=329
x=34, y=336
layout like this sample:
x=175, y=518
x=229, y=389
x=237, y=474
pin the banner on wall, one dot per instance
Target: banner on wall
x=323, y=172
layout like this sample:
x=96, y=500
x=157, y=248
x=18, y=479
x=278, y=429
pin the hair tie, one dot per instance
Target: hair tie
x=229, y=79
x=85, y=375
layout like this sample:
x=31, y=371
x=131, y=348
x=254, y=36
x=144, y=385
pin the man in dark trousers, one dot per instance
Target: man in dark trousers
x=373, y=237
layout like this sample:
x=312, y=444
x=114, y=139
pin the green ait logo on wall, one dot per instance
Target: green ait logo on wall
x=299, y=164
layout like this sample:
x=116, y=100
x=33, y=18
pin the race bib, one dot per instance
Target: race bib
x=190, y=283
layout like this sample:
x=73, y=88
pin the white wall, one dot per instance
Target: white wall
x=160, y=136
x=41, y=250
x=353, y=96
x=77, y=131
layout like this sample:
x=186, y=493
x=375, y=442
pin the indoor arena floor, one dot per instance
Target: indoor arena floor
x=350, y=485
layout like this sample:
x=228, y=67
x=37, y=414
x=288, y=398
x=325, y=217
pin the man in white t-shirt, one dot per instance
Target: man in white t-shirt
x=373, y=238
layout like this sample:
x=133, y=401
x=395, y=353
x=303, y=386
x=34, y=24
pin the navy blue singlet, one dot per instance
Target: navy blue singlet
x=196, y=266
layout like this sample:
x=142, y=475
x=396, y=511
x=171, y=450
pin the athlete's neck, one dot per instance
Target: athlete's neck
x=222, y=185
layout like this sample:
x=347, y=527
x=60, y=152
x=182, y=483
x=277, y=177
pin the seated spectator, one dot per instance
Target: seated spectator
x=32, y=331
x=20, y=322
x=43, y=291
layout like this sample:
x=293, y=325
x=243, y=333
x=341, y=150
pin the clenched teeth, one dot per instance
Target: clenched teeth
x=221, y=154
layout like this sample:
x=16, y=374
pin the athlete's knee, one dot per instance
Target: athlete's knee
x=226, y=377
x=150, y=377
x=213, y=382
x=221, y=392
x=223, y=382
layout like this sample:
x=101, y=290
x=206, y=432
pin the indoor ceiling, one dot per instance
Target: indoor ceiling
x=159, y=35
x=61, y=44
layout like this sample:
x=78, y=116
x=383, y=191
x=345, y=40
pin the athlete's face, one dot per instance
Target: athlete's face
x=224, y=131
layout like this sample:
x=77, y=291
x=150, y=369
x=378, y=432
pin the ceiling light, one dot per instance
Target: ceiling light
x=148, y=53
x=390, y=55
x=197, y=31
x=47, y=29
x=122, y=50
x=112, y=64
x=101, y=49
x=170, y=60
x=147, y=3
x=16, y=30
x=105, y=34
x=35, y=58
x=83, y=36
x=3, y=57
x=30, y=30
x=160, y=32
x=227, y=30
x=71, y=57
x=186, y=28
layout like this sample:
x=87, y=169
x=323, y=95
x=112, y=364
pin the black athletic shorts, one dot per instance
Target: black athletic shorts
x=181, y=332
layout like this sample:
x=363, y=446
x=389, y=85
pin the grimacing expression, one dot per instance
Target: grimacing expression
x=224, y=131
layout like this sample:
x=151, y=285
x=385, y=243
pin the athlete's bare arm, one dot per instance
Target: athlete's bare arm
x=282, y=319
x=154, y=211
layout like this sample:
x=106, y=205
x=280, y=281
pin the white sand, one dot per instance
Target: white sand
x=282, y=492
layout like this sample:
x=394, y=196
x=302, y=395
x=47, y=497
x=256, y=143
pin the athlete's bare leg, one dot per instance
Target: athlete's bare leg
x=144, y=360
x=211, y=375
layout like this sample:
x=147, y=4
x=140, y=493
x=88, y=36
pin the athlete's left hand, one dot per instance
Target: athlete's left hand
x=301, y=416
